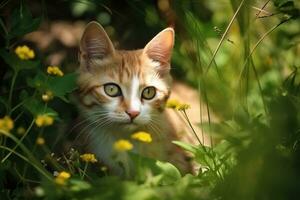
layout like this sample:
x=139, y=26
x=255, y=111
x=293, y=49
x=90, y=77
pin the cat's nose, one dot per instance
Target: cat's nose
x=132, y=113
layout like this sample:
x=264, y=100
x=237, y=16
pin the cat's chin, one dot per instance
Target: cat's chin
x=134, y=125
x=131, y=126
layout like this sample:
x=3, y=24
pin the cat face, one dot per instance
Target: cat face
x=127, y=88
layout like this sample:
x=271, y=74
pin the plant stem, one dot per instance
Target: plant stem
x=191, y=126
x=32, y=151
x=25, y=159
x=11, y=91
x=31, y=159
x=18, y=143
x=16, y=107
x=84, y=170
x=218, y=174
x=250, y=54
x=223, y=37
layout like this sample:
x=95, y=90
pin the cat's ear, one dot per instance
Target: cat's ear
x=159, y=49
x=95, y=43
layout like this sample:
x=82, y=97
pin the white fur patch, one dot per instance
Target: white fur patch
x=135, y=102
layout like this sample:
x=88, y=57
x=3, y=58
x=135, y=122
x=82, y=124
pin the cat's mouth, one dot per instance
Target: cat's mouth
x=128, y=123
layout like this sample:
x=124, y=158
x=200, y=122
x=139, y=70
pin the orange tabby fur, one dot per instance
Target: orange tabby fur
x=105, y=116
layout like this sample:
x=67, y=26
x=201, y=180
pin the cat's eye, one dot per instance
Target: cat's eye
x=149, y=93
x=112, y=90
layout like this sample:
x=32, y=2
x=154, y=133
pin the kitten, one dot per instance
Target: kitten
x=122, y=92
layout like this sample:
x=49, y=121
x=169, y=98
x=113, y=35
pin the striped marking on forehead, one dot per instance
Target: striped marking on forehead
x=130, y=66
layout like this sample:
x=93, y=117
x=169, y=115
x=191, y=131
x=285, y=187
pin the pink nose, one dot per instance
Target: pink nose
x=132, y=113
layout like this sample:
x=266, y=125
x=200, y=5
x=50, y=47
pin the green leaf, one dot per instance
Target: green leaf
x=283, y=3
x=22, y=22
x=111, y=187
x=36, y=107
x=168, y=173
x=188, y=147
x=288, y=7
x=39, y=82
x=205, y=157
x=59, y=86
x=4, y=102
x=3, y=28
x=134, y=191
x=202, y=154
x=16, y=63
x=79, y=185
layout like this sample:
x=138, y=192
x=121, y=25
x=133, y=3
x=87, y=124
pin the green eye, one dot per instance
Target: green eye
x=149, y=93
x=112, y=90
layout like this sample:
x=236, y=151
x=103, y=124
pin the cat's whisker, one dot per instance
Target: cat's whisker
x=152, y=127
x=88, y=125
x=90, y=133
x=155, y=124
x=82, y=131
x=77, y=125
x=95, y=117
x=101, y=124
x=154, y=131
x=99, y=119
x=82, y=121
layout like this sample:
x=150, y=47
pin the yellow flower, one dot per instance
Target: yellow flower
x=43, y=120
x=88, y=157
x=54, y=70
x=142, y=136
x=183, y=106
x=47, y=96
x=40, y=141
x=24, y=52
x=172, y=103
x=62, y=177
x=21, y=130
x=122, y=145
x=6, y=123
x=175, y=104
